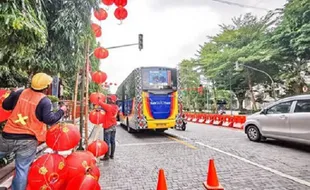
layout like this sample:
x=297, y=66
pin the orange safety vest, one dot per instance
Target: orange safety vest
x=23, y=119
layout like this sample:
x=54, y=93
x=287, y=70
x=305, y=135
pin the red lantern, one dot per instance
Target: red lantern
x=97, y=117
x=120, y=13
x=108, y=2
x=83, y=182
x=97, y=29
x=99, y=77
x=111, y=83
x=98, y=148
x=95, y=172
x=79, y=162
x=95, y=97
x=47, y=172
x=115, y=84
x=121, y=3
x=63, y=136
x=107, y=86
x=101, y=14
x=101, y=53
x=4, y=114
x=106, y=83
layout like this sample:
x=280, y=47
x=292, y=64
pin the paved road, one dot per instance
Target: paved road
x=184, y=156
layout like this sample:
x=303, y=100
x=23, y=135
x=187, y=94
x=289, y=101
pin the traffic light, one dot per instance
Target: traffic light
x=140, y=42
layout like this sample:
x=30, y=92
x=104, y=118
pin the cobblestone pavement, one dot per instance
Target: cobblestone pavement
x=184, y=156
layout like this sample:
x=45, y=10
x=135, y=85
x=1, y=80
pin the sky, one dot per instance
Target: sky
x=172, y=29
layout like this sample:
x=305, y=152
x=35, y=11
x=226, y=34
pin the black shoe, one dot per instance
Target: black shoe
x=112, y=157
x=104, y=158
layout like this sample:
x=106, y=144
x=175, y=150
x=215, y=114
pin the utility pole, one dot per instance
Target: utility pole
x=230, y=90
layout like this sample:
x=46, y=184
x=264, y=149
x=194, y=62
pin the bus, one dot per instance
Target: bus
x=149, y=99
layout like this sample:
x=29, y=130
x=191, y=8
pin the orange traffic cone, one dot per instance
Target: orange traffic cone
x=161, y=184
x=212, y=182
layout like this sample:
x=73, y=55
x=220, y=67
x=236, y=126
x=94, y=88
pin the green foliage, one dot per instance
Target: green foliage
x=53, y=99
x=44, y=36
x=277, y=43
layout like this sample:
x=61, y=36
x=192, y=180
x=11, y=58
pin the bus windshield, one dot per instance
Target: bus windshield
x=157, y=78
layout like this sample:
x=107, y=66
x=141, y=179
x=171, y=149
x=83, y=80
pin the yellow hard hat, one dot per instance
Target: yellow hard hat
x=41, y=81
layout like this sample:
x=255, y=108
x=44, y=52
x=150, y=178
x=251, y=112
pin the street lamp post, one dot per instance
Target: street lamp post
x=261, y=71
x=230, y=91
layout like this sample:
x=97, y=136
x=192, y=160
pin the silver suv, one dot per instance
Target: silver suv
x=286, y=119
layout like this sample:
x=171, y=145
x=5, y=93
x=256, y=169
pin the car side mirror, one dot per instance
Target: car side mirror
x=264, y=111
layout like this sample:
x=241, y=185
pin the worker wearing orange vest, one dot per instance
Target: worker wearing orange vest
x=31, y=112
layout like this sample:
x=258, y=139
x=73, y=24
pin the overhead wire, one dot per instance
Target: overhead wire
x=240, y=5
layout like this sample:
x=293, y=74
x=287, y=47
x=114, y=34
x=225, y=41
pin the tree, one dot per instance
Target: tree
x=46, y=36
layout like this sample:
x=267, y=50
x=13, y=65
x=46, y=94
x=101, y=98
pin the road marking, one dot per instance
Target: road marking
x=300, y=181
x=151, y=143
x=182, y=142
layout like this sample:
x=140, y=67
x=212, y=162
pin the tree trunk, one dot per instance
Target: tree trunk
x=251, y=90
x=214, y=95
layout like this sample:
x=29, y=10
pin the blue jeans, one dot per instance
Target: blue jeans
x=25, y=152
x=109, y=137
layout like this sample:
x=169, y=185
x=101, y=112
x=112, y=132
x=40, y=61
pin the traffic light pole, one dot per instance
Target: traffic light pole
x=140, y=44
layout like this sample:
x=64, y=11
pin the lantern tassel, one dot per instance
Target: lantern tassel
x=121, y=22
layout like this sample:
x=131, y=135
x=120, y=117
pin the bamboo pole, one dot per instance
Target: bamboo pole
x=75, y=95
x=86, y=98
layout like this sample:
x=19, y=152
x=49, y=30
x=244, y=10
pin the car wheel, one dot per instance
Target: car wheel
x=253, y=133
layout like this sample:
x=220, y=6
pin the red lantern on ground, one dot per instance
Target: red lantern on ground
x=98, y=148
x=108, y=2
x=120, y=13
x=63, y=136
x=79, y=162
x=99, y=77
x=101, y=14
x=97, y=29
x=95, y=97
x=101, y=53
x=95, y=172
x=121, y=3
x=47, y=172
x=83, y=182
x=4, y=114
x=97, y=117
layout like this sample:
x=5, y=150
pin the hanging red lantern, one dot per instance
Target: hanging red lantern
x=101, y=14
x=83, y=182
x=63, y=136
x=120, y=13
x=96, y=116
x=108, y=2
x=107, y=86
x=97, y=29
x=99, y=77
x=121, y=3
x=111, y=83
x=115, y=84
x=47, y=172
x=79, y=162
x=95, y=97
x=4, y=114
x=101, y=53
x=98, y=148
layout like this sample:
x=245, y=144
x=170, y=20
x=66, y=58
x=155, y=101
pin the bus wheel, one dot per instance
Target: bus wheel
x=129, y=129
